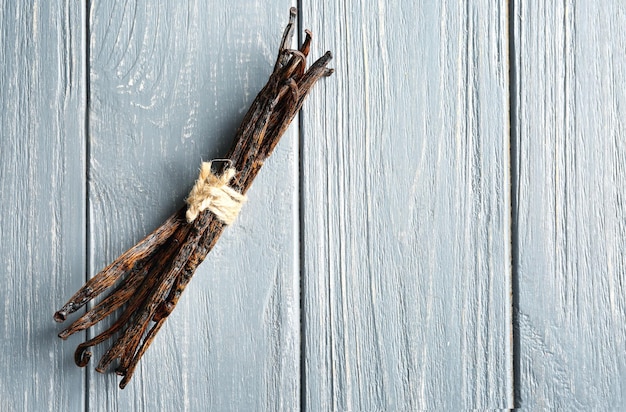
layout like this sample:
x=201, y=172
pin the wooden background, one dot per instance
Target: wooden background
x=443, y=228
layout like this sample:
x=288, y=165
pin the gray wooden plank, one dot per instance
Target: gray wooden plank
x=169, y=85
x=42, y=215
x=571, y=215
x=406, y=209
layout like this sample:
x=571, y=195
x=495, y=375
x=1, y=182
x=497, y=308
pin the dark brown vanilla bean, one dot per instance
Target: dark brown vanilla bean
x=148, y=279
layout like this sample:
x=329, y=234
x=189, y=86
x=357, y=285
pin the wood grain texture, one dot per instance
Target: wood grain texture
x=169, y=85
x=404, y=190
x=571, y=210
x=42, y=213
x=406, y=209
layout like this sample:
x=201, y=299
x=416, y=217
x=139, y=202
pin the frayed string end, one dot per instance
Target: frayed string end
x=212, y=192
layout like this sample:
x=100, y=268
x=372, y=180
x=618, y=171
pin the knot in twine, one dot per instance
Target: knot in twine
x=212, y=192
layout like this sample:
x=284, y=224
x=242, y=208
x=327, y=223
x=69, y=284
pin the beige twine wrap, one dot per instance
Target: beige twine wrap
x=212, y=192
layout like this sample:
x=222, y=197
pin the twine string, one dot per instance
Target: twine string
x=212, y=192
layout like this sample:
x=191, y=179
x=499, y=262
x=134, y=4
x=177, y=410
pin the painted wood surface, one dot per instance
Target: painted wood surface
x=406, y=219
x=376, y=264
x=571, y=215
x=42, y=212
x=170, y=83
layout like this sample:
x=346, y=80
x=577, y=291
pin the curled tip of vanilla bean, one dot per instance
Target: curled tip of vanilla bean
x=82, y=355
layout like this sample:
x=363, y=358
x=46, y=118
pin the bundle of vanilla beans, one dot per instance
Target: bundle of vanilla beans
x=148, y=279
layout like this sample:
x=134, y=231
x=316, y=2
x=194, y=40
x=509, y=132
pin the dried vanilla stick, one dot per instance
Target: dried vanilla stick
x=148, y=279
